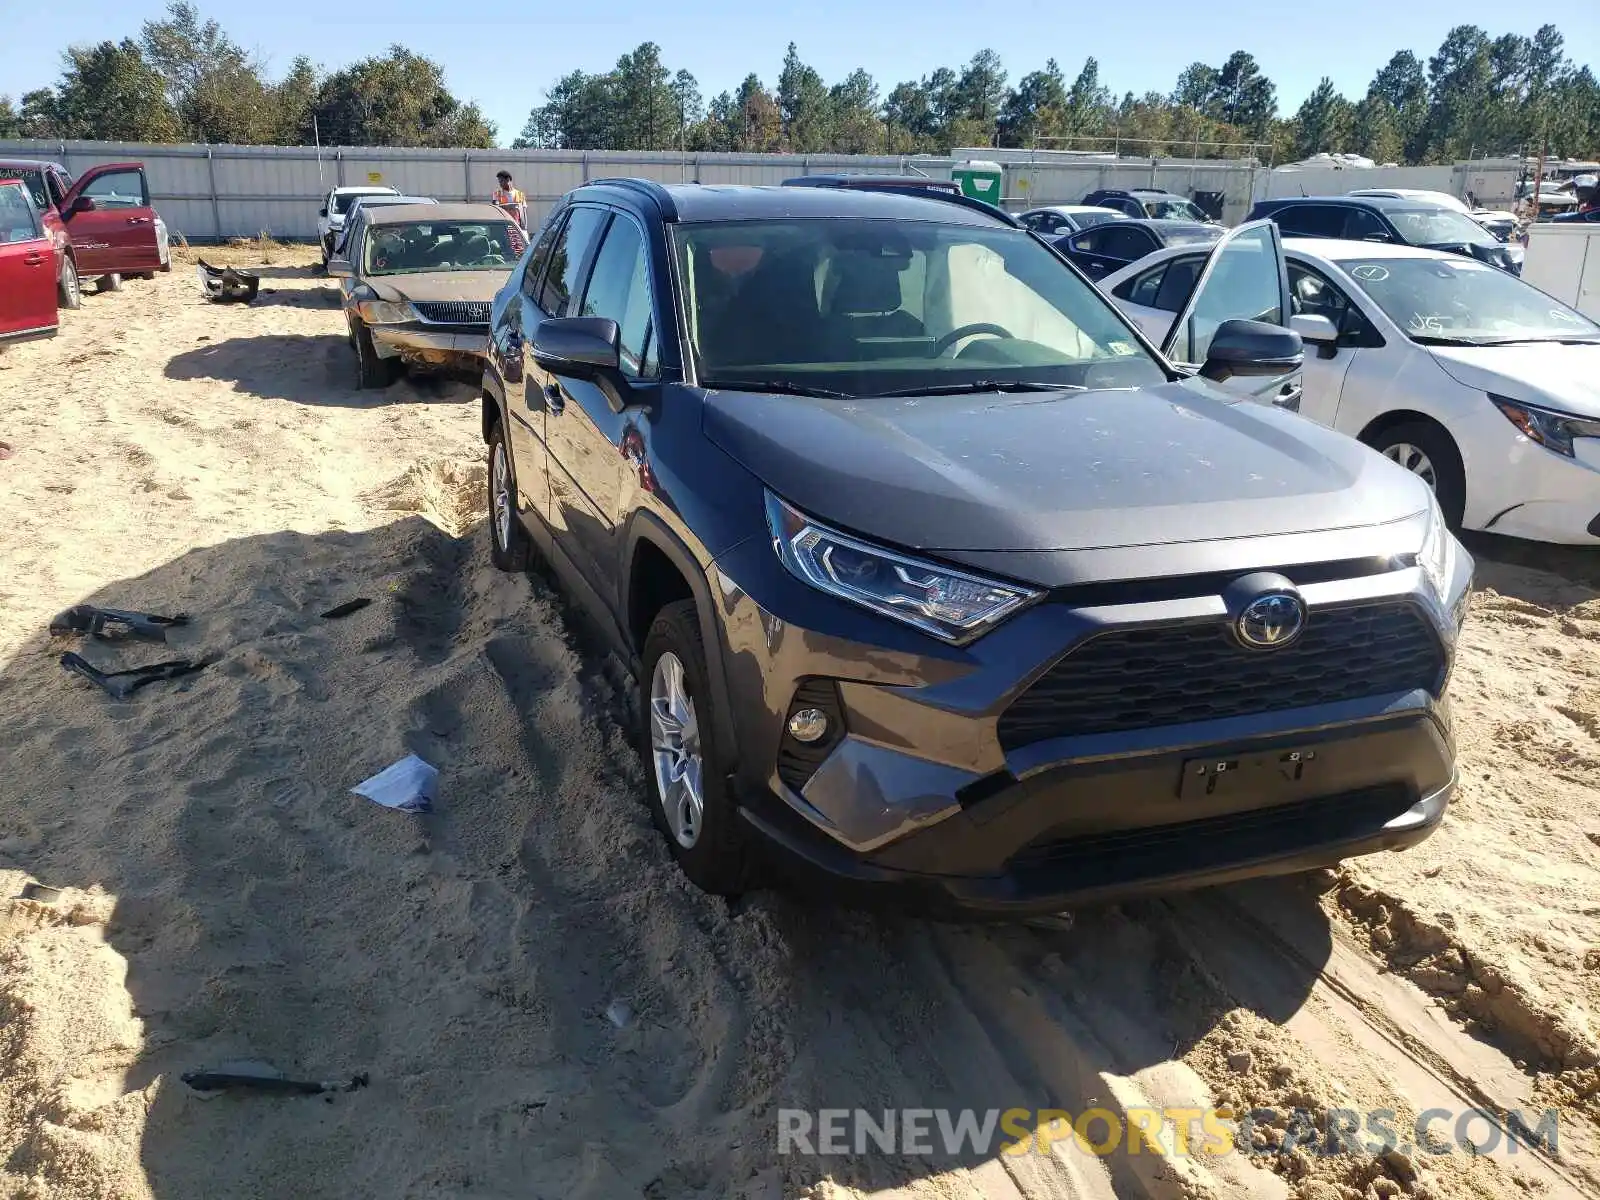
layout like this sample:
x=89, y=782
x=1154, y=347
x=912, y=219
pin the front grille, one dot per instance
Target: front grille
x=1239, y=837
x=1143, y=678
x=454, y=312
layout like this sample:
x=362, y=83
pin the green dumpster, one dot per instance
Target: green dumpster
x=979, y=179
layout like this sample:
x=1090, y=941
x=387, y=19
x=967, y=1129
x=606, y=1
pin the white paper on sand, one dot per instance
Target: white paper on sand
x=406, y=785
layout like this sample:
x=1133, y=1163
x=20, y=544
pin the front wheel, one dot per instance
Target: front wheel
x=372, y=371
x=508, y=541
x=1428, y=452
x=689, y=796
x=70, y=289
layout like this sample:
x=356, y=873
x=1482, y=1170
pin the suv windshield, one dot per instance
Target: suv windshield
x=441, y=246
x=1438, y=300
x=1432, y=226
x=866, y=307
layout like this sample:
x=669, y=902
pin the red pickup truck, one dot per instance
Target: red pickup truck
x=102, y=225
x=27, y=269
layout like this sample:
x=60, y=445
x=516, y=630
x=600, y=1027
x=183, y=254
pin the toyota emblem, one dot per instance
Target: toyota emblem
x=1272, y=621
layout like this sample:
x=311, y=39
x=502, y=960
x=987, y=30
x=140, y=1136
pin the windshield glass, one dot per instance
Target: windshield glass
x=343, y=200
x=1431, y=226
x=441, y=246
x=1460, y=300
x=1173, y=208
x=34, y=180
x=866, y=307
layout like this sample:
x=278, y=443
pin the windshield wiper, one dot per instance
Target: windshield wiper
x=775, y=385
x=1434, y=339
x=980, y=385
x=1542, y=341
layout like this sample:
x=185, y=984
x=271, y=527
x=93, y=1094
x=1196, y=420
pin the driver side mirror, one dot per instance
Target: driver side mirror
x=1246, y=348
x=81, y=204
x=323, y=211
x=1319, y=330
x=584, y=348
x=339, y=268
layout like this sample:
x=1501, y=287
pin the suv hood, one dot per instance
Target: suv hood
x=1550, y=375
x=1066, y=470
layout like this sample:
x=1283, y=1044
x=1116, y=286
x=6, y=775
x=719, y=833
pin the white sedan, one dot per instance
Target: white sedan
x=1481, y=384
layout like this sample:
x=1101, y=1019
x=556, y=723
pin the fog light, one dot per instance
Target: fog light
x=808, y=725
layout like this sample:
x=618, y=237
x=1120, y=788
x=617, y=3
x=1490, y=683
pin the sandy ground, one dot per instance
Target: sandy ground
x=216, y=894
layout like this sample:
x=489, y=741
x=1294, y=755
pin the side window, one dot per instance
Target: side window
x=1310, y=220
x=619, y=288
x=533, y=273
x=1310, y=293
x=567, y=256
x=1088, y=243
x=58, y=185
x=1127, y=244
x=118, y=189
x=1359, y=224
x=1142, y=289
x=1034, y=221
x=1178, y=283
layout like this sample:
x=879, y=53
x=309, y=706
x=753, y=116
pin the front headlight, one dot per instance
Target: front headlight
x=949, y=604
x=1552, y=430
x=386, y=312
x=1439, y=560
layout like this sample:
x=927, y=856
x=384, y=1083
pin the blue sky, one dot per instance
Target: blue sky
x=504, y=56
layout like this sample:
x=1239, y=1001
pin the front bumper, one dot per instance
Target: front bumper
x=463, y=346
x=1532, y=492
x=921, y=800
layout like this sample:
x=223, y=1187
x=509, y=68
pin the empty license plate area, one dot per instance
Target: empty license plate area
x=1284, y=772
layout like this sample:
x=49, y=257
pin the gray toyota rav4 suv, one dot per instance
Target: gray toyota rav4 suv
x=940, y=581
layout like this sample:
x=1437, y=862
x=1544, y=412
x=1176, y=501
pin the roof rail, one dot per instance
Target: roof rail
x=848, y=183
x=648, y=187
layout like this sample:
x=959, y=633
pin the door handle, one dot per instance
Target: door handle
x=554, y=398
x=138, y=220
x=1289, y=397
x=32, y=259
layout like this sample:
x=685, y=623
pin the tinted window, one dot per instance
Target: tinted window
x=1360, y=224
x=1142, y=289
x=1310, y=220
x=1178, y=283
x=34, y=181
x=619, y=288
x=58, y=185
x=1088, y=243
x=567, y=257
x=117, y=189
x=1431, y=226
x=1129, y=244
x=532, y=274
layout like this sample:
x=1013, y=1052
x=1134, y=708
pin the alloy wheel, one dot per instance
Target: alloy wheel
x=1414, y=460
x=675, y=750
x=500, y=494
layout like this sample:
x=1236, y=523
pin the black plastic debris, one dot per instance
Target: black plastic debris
x=345, y=609
x=227, y=285
x=109, y=623
x=263, y=1077
x=121, y=684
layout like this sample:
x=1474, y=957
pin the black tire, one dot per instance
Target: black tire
x=718, y=861
x=69, y=288
x=109, y=283
x=145, y=275
x=509, y=552
x=1449, y=477
x=371, y=371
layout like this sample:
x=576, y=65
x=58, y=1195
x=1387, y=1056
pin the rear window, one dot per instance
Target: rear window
x=33, y=180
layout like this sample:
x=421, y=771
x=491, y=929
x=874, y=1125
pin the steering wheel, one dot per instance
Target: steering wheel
x=955, y=335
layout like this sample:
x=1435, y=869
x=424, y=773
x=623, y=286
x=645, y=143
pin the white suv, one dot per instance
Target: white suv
x=330, y=217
